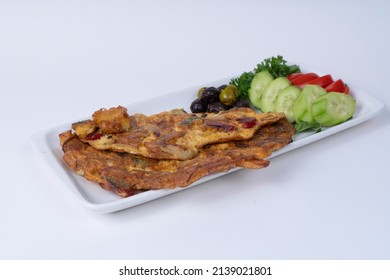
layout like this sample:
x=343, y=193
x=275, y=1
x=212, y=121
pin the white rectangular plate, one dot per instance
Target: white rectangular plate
x=90, y=195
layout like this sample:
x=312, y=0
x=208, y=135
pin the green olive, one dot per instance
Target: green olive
x=228, y=95
x=200, y=91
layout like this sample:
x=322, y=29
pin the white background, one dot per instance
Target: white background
x=62, y=60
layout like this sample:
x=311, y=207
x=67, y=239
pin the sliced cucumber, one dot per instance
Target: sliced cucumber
x=284, y=101
x=302, y=106
x=267, y=100
x=258, y=84
x=333, y=108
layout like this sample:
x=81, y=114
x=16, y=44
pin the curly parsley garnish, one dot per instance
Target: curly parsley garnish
x=276, y=66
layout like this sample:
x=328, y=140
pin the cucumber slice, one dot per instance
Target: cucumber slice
x=333, y=108
x=258, y=84
x=267, y=100
x=302, y=106
x=284, y=101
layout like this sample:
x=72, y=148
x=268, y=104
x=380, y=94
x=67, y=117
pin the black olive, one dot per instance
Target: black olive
x=215, y=107
x=241, y=103
x=220, y=88
x=198, y=106
x=210, y=94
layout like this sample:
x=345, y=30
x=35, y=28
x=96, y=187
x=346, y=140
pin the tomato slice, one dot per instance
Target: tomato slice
x=337, y=86
x=346, y=90
x=294, y=75
x=300, y=80
x=323, y=81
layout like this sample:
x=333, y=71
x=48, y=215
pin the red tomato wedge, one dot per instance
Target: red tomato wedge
x=300, y=80
x=323, y=81
x=337, y=86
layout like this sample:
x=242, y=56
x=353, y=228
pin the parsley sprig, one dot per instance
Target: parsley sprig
x=243, y=84
x=277, y=66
